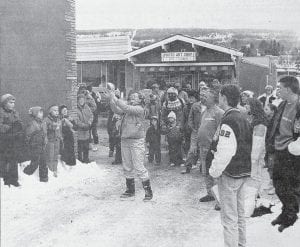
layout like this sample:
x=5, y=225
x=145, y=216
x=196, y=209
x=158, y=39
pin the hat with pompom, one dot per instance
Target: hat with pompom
x=5, y=98
x=172, y=115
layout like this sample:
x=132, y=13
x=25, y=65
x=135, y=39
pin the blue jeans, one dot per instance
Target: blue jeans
x=232, y=198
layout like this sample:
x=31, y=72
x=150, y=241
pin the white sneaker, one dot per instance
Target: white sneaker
x=172, y=165
x=182, y=165
x=94, y=149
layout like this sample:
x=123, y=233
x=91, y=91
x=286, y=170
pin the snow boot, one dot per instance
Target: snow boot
x=288, y=222
x=148, y=190
x=278, y=221
x=130, y=188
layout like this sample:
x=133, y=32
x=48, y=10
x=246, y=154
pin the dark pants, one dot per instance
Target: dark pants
x=154, y=153
x=286, y=180
x=112, y=142
x=192, y=159
x=187, y=142
x=94, y=133
x=38, y=161
x=175, y=153
x=83, y=150
x=9, y=170
x=118, y=156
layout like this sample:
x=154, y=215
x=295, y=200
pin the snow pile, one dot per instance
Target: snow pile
x=67, y=176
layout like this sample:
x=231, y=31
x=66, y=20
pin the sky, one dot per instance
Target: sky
x=223, y=14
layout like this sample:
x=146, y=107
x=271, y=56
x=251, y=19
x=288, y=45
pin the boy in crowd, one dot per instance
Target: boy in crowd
x=153, y=139
x=84, y=121
x=232, y=166
x=36, y=137
x=284, y=138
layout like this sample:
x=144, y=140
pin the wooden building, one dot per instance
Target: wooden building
x=180, y=59
x=102, y=59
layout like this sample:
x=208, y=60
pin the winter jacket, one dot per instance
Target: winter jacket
x=233, y=156
x=274, y=128
x=175, y=106
x=91, y=102
x=36, y=137
x=174, y=136
x=195, y=116
x=12, y=136
x=185, y=119
x=68, y=150
x=53, y=126
x=84, y=121
x=132, y=124
x=152, y=109
x=153, y=136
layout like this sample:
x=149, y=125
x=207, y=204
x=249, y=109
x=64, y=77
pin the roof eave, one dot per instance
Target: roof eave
x=185, y=39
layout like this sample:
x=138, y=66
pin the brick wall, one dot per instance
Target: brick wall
x=37, y=49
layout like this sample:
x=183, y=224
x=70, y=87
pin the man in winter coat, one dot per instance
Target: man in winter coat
x=11, y=137
x=210, y=121
x=232, y=166
x=132, y=141
x=283, y=140
x=83, y=124
x=187, y=130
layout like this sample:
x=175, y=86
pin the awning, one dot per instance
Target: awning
x=183, y=68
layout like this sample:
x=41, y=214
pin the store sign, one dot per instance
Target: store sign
x=178, y=56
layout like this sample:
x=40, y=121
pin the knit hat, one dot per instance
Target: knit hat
x=172, y=115
x=154, y=117
x=249, y=93
x=61, y=108
x=33, y=111
x=5, y=98
x=110, y=86
x=52, y=108
x=269, y=87
x=172, y=90
x=294, y=147
x=80, y=96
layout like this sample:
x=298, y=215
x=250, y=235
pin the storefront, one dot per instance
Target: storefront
x=181, y=59
x=102, y=59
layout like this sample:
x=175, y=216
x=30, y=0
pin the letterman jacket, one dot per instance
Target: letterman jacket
x=233, y=155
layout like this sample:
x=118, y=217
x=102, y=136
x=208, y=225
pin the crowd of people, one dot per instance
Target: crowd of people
x=46, y=139
x=228, y=134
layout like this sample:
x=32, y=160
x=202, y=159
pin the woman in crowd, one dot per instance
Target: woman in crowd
x=259, y=124
x=132, y=141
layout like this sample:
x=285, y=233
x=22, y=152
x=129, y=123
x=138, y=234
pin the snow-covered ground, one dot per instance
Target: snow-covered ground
x=82, y=208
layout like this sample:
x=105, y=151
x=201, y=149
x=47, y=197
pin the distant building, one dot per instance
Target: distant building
x=257, y=72
x=181, y=59
x=102, y=59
